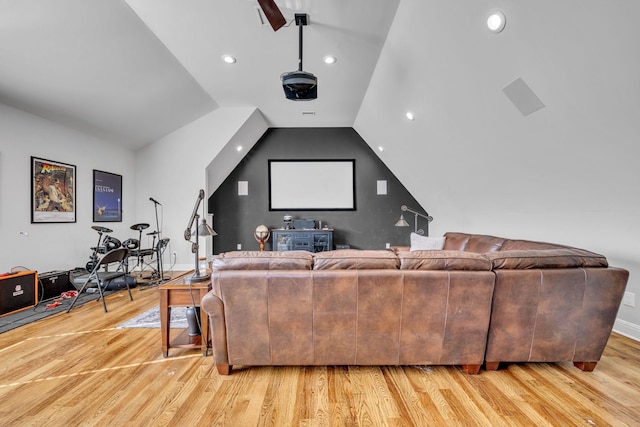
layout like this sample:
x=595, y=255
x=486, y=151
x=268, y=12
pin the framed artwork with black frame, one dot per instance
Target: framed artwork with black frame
x=53, y=191
x=107, y=197
x=312, y=185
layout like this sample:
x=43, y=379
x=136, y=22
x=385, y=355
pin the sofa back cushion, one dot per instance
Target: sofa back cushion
x=545, y=258
x=515, y=245
x=443, y=260
x=478, y=243
x=255, y=260
x=355, y=259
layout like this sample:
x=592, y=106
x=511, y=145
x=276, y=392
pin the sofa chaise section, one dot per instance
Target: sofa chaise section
x=551, y=303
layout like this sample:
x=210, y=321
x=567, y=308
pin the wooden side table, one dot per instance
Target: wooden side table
x=179, y=295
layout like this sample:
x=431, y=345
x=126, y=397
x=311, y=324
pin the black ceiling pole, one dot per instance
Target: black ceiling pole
x=301, y=20
x=300, y=50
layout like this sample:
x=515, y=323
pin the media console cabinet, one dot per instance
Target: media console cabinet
x=312, y=240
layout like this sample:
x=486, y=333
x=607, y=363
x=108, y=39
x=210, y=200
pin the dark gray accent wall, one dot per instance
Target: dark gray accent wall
x=369, y=226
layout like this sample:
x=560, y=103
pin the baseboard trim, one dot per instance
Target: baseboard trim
x=183, y=267
x=628, y=329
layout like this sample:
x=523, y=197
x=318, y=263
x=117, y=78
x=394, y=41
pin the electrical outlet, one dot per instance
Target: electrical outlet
x=387, y=245
x=629, y=299
x=239, y=246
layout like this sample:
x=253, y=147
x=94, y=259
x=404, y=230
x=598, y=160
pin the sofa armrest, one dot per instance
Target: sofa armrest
x=214, y=307
x=545, y=258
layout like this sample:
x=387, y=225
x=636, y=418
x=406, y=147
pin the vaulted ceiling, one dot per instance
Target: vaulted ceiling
x=132, y=71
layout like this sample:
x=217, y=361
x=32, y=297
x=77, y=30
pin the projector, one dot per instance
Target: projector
x=300, y=85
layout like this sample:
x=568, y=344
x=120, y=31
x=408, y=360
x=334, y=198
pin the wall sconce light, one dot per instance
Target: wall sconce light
x=403, y=223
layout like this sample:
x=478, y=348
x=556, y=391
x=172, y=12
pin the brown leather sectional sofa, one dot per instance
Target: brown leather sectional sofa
x=480, y=300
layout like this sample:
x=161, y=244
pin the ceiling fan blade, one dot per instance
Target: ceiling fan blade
x=273, y=14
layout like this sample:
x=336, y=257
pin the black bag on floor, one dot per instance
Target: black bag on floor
x=119, y=283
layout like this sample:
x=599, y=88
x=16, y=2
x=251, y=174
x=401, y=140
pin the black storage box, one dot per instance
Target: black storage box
x=53, y=283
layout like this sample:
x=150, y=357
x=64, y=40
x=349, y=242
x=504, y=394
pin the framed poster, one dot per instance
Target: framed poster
x=53, y=191
x=107, y=197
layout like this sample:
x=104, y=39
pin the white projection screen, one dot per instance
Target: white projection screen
x=312, y=185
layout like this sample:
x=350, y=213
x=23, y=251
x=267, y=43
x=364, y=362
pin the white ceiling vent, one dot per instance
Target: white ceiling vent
x=523, y=97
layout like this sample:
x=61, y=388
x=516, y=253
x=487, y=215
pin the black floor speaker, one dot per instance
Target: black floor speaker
x=18, y=291
x=53, y=283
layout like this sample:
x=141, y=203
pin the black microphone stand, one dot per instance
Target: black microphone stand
x=160, y=245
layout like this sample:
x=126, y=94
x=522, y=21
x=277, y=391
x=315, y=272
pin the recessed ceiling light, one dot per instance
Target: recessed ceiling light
x=380, y=148
x=228, y=59
x=496, y=21
x=239, y=148
x=329, y=59
x=410, y=116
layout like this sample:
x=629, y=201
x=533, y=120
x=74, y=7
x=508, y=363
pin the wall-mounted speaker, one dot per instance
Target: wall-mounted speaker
x=18, y=291
x=523, y=97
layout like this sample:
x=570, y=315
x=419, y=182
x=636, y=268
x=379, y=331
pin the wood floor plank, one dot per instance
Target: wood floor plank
x=79, y=369
x=406, y=397
x=339, y=395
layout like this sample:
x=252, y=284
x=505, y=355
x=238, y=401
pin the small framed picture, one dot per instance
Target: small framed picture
x=107, y=197
x=53, y=191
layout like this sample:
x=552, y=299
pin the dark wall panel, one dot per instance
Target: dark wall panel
x=370, y=226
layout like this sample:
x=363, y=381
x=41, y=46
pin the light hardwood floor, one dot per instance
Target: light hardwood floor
x=79, y=369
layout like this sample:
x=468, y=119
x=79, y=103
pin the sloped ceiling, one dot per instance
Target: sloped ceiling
x=94, y=66
x=470, y=157
x=133, y=71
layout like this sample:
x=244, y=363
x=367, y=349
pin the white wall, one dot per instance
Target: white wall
x=53, y=246
x=567, y=173
x=173, y=169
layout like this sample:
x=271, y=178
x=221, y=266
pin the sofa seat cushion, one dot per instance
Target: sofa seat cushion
x=355, y=259
x=545, y=258
x=255, y=260
x=443, y=260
